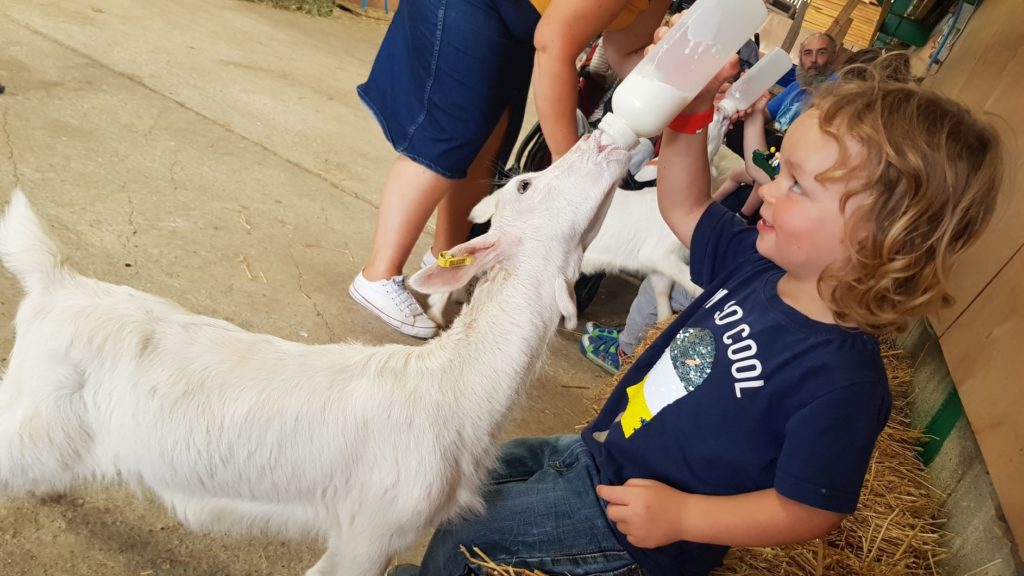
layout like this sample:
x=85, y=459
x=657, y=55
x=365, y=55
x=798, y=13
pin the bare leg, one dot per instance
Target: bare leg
x=410, y=194
x=731, y=183
x=453, y=212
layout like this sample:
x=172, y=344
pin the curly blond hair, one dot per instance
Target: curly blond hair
x=926, y=174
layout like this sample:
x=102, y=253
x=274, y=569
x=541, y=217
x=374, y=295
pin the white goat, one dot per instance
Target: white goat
x=362, y=446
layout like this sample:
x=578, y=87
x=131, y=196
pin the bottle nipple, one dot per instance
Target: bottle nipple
x=615, y=131
x=727, y=107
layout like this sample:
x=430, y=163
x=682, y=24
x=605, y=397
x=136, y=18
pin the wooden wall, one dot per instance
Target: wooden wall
x=821, y=13
x=982, y=336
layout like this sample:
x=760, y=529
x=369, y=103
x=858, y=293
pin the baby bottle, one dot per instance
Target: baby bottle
x=753, y=84
x=679, y=66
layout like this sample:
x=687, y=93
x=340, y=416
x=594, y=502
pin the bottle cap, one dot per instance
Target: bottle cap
x=617, y=131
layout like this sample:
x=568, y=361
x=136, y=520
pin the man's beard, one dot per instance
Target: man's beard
x=812, y=77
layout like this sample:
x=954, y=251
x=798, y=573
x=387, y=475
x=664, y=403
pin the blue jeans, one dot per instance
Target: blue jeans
x=542, y=514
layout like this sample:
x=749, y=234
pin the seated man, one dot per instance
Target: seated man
x=817, y=59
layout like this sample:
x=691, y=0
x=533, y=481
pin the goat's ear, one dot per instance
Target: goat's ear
x=484, y=210
x=485, y=251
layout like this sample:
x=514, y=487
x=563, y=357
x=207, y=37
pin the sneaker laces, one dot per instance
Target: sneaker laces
x=606, y=347
x=402, y=299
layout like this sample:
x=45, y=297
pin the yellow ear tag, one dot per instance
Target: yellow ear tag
x=446, y=260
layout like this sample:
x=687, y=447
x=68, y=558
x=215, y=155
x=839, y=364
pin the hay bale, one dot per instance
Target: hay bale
x=312, y=7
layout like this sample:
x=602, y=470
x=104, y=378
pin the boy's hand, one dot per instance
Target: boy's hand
x=755, y=108
x=647, y=512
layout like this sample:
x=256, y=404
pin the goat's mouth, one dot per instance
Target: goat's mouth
x=608, y=151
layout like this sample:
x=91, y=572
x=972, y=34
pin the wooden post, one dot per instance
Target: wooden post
x=886, y=6
x=840, y=35
x=845, y=14
x=794, y=28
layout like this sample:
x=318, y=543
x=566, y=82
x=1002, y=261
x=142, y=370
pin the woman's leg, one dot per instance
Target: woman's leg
x=410, y=194
x=732, y=182
x=453, y=212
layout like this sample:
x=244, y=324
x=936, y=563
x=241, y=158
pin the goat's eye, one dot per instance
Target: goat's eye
x=523, y=186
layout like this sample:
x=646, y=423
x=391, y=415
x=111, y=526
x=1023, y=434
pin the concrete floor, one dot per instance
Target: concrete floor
x=213, y=152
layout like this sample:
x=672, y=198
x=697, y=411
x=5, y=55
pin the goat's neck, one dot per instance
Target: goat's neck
x=498, y=341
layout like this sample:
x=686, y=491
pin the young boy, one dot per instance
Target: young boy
x=750, y=421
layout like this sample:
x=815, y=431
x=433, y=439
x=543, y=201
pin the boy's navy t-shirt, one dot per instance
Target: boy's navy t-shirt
x=743, y=393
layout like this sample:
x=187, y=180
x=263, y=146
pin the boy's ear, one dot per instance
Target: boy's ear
x=485, y=251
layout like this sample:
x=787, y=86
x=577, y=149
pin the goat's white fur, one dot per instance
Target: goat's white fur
x=362, y=446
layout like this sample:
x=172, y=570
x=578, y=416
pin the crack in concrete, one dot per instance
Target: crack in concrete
x=170, y=172
x=10, y=151
x=126, y=244
x=319, y=313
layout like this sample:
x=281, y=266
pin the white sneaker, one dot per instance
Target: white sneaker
x=427, y=259
x=392, y=303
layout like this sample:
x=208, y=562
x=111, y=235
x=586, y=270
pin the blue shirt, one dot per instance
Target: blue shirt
x=786, y=106
x=742, y=393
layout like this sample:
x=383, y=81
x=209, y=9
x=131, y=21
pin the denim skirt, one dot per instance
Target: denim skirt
x=444, y=74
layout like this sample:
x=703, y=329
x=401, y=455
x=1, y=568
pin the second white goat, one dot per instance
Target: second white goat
x=363, y=446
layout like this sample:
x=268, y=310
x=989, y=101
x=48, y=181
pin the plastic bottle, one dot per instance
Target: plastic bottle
x=753, y=84
x=679, y=66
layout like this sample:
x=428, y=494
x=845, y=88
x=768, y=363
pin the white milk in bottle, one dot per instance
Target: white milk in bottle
x=678, y=67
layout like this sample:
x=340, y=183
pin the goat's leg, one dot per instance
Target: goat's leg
x=680, y=274
x=43, y=432
x=205, y=514
x=662, y=286
x=436, y=304
x=362, y=553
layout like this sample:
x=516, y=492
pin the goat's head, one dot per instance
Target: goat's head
x=548, y=217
